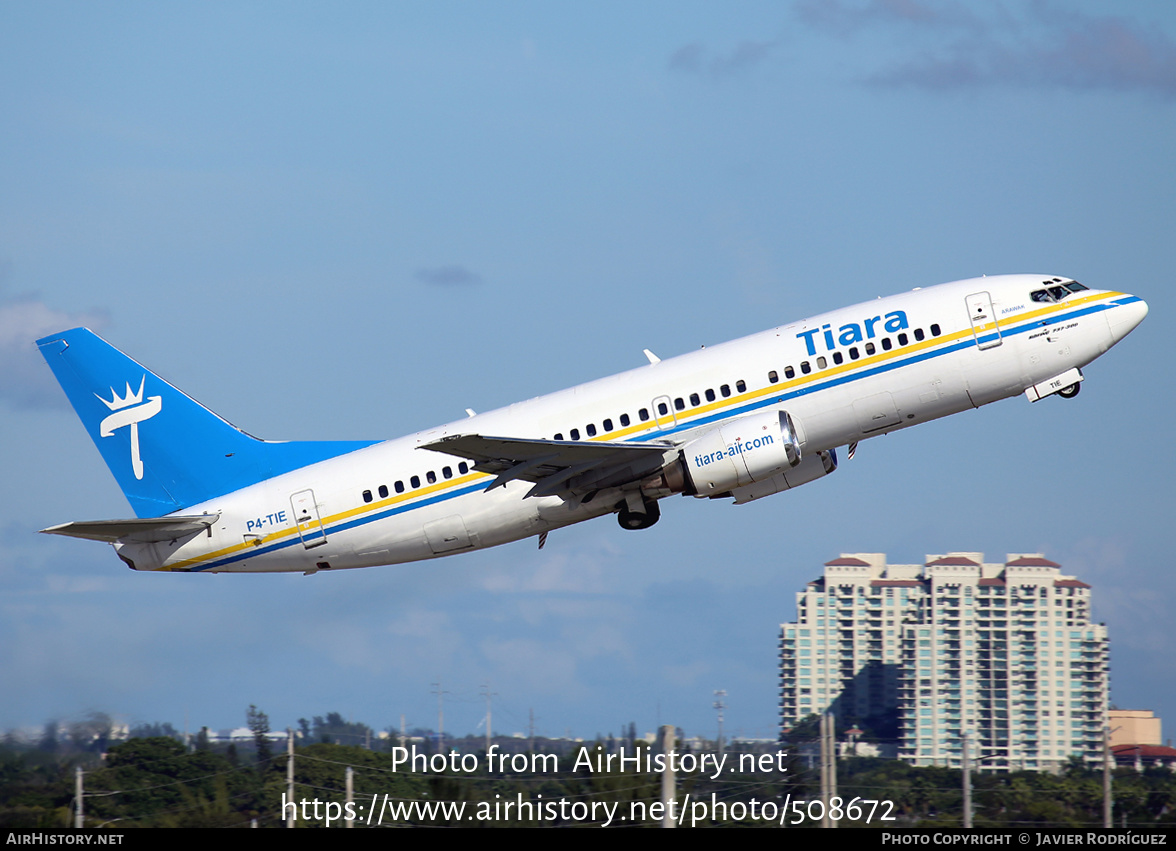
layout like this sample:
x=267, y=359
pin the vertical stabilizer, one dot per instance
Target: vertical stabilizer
x=166, y=450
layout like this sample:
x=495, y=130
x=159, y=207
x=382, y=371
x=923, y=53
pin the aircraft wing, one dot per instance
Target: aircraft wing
x=139, y=529
x=557, y=465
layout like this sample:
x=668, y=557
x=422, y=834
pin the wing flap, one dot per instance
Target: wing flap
x=556, y=465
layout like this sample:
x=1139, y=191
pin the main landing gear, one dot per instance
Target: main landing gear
x=637, y=512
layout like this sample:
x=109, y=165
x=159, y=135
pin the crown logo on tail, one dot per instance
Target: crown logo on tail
x=129, y=410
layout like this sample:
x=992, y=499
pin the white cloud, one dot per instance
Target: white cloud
x=696, y=58
x=574, y=570
x=532, y=666
x=1037, y=46
x=28, y=383
x=844, y=18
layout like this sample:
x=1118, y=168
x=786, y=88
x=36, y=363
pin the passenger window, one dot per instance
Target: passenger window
x=773, y=377
x=447, y=472
x=463, y=468
x=383, y=491
x=902, y=339
x=431, y=476
x=854, y=354
x=415, y=481
x=624, y=420
x=821, y=362
x=608, y=425
x=741, y=386
x=367, y=496
x=838, y=357
x=805, y=368
x=662, y=409
x=591, y=429
x=886, y=344
x=870, y=348
x=935, y=332
x=399, y=487
x=725, y=390
x=643, y=414
x=559, y=435
x=694, y=400
x=575, y=433
x=789, y=372
x=710, y=395
x=919, y=335
x=680, y=404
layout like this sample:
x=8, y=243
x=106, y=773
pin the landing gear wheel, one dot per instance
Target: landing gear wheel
x=1071, y=391
x=639, y=519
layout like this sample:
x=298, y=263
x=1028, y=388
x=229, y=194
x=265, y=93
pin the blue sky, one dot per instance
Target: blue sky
x=354, y=221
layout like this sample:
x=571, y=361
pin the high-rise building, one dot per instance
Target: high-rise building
x=924, y=653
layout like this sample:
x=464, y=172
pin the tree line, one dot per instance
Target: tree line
x=154, y=779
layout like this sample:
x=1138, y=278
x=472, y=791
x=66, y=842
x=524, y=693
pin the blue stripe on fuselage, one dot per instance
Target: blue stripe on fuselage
x=898, y=362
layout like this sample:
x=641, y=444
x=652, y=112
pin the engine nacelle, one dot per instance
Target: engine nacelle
x=810, y=469
x=746, y=450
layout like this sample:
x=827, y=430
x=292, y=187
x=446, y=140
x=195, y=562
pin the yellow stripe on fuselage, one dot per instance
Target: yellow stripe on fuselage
x=283, y=534
x=694, y=413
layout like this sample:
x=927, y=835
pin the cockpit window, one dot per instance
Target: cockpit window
x=1056, y=292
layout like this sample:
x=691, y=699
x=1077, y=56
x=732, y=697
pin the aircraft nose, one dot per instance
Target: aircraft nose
x=1126, y=316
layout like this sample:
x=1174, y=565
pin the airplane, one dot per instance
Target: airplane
x=742, y=420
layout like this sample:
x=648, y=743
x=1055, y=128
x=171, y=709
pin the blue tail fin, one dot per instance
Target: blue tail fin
x=167, y=451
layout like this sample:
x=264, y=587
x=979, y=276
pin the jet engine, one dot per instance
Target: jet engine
x=741, y=452
x=810, y=469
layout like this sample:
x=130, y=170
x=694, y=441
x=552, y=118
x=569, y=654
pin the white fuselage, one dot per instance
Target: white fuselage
x=842, y=376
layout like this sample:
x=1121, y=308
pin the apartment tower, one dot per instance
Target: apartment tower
x=921, y=654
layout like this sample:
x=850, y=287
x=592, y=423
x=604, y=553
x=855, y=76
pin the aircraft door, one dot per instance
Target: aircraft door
x=306, y=515
x=663, y=413
x=985, y=328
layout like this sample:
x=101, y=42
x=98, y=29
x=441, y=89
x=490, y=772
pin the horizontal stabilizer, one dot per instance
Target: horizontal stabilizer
x=140, y=530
